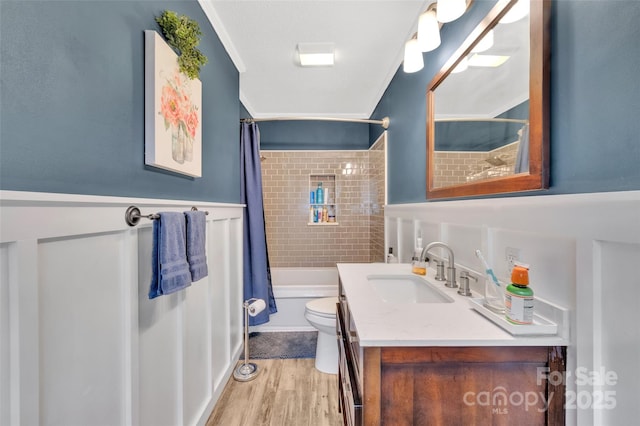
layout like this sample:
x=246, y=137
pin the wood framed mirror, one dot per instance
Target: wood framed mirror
x=480, y=121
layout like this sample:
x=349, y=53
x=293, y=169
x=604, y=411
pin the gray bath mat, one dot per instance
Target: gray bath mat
x=283, y=345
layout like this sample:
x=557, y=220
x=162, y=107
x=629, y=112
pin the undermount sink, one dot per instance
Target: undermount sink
x=406, y=289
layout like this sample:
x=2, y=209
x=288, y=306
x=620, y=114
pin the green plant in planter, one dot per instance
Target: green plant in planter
x=183, y=34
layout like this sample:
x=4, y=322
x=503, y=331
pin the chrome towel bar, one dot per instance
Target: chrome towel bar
x=132, y=216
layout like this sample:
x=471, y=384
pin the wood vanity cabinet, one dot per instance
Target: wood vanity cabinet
x=447, y=385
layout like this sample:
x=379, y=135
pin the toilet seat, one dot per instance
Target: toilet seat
x=324, y=307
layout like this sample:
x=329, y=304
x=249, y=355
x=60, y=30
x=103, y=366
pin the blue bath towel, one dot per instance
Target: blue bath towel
x=170, y=270
x=196, y=238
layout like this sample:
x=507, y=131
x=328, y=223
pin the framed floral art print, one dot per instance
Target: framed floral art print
x=173, y=111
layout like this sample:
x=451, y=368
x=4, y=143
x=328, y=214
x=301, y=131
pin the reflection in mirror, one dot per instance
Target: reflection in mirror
x=487, y=108
x=482, y=113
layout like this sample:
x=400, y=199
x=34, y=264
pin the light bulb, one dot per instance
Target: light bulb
x=428, y=31
x=450, y=10
x=412, y=57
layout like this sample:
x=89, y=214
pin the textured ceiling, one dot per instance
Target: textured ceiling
x=261, y=38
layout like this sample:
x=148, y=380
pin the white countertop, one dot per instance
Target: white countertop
x=380, y=323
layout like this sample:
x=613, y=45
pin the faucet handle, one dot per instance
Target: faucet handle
x=440, y=270
x=464, y=283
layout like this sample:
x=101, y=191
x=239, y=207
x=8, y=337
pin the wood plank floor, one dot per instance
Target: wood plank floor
x=286, y=392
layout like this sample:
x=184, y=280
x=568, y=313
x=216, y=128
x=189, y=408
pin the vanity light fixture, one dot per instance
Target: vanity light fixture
x=413, y=61
x=428, y=31
x=450, y=10
x=428, y=36
x=316, y=54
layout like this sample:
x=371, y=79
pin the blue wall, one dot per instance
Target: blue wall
x=480, y=135
x=72, y=84
x=310, y=135
x=72, y=87
x=595, y=101
x=313, y=135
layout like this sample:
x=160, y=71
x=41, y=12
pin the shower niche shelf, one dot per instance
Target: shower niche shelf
x=323, y=213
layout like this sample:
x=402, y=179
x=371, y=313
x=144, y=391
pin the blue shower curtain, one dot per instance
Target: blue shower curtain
x=257, y=275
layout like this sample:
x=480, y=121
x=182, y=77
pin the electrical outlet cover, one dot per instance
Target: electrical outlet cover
x=512, y=255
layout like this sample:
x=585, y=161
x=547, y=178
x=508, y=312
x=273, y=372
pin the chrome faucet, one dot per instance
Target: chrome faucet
x=451, y=270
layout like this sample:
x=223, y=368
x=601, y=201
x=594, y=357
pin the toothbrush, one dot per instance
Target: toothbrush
x=488, y=269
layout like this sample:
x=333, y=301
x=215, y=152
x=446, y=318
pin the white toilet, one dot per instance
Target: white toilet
x=321, y=313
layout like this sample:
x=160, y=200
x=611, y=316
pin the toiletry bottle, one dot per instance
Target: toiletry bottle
x=319, y=194
x=326, y=195
x=325, y=214
x=390, y=257
x=311, y=214
x=417, y=266
x=332, y=214
x=518, y=298
x=312, y=197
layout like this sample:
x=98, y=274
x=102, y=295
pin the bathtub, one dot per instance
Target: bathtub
x=293, y=288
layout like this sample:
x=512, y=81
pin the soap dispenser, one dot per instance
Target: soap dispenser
x=390, y=257
x=418, y=266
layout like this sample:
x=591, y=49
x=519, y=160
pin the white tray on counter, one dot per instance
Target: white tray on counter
x=540, y=326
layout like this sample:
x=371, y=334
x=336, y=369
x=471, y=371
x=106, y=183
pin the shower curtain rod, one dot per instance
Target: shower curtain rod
x=384, y=122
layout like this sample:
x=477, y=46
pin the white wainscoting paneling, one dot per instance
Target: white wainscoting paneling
x=81, y=322
x=80, y=341
x=584, y=252
x=5, y=353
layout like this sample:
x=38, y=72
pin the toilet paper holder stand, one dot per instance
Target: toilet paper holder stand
x=247, y=371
